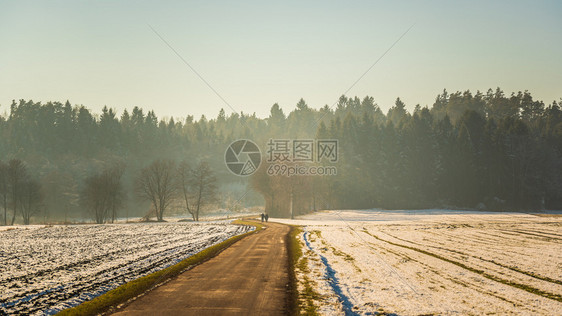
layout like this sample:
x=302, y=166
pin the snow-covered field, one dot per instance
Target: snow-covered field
x=45, y=269
x=432, y=262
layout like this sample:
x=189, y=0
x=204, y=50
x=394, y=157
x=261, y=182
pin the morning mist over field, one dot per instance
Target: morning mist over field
x=250, y=158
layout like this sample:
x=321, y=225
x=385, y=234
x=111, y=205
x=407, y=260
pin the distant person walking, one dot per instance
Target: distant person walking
x=266, y=217
x=262, y=217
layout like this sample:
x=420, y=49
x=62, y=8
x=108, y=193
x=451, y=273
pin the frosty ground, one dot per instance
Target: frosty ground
x=48, y=268
x=431, y=262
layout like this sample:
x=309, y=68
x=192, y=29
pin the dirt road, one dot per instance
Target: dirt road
x=249, y=278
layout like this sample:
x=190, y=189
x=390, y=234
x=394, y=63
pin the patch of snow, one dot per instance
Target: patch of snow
x=433, y=262
x=50, y=268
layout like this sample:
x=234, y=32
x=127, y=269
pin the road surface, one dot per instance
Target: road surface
x=248, y=278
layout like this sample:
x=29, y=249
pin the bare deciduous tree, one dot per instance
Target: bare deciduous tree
x=198, y=186
x=17, y=172
x=204, y=187
x=103, y=194
x=184, y=179
x=60, y=192
x=94, y=198
x=30, y=199
x=4, y=190
x=284, y=196
x=156, y=183
x=116, y=191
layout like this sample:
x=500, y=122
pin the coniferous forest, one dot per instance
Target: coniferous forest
x=492, y=151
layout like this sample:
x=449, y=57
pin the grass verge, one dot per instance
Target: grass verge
x=302, y=303
x=127, y=291
x=295, y=252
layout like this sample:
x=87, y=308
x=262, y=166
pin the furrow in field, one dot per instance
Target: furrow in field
x=443, y=277
x=117, y=255
x=424, y=299
x=463, y=255
x=496, y=246
x=531, y=236
x=524, y=287
x=112, y=275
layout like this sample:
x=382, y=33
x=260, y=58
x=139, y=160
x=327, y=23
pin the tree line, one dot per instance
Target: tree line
x=487, y=150
x=162, y=184
x=481, y=151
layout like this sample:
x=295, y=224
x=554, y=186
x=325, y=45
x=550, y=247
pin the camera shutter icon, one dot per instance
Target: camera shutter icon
x=242, y=157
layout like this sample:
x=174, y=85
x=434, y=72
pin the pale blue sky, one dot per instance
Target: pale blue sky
x=254, y=53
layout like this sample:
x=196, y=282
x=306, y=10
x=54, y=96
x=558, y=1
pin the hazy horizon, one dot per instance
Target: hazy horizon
x=255, y=54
